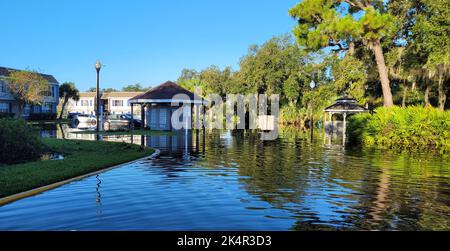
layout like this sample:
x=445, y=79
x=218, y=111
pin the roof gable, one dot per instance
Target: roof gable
x=165, y=91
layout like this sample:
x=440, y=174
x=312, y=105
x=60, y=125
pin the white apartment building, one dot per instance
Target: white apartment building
x=113, y=103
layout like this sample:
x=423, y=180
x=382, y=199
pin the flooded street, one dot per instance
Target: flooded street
x=234, y=181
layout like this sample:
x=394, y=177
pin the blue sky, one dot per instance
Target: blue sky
x=138, y=41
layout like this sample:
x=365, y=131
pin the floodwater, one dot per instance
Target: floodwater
x=224, y=180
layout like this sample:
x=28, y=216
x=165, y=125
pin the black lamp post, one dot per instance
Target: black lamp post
x=311, y=126
x=98, y=67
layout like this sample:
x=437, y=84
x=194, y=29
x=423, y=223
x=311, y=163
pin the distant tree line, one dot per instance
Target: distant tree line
x=128, y=88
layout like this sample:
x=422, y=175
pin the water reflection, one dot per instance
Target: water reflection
x=230, y=180
x=98, y=199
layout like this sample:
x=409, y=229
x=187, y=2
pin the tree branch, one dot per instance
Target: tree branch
x=356, y=3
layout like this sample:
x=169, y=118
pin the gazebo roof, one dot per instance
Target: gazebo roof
x=345, y=104
x=165, y=93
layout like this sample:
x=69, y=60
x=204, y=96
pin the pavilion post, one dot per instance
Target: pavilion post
x=344, y=130
x=325, y=128
x=143, y=116
x=132, y=118
x=332, y=128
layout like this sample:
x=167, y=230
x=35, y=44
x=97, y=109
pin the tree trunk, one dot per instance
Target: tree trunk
x=442, y=95
x=427, y=94
x=18, y=115
x=63, y=106
x=405, y=94
x=382, y=70
x=351, y=49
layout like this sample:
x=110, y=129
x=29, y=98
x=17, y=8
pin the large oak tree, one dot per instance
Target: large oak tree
x=342, y=25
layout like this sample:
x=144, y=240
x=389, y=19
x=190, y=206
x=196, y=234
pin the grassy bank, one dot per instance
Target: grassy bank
x=49, y=122
x=411, y=128
x=134, y=132
x=81, y=157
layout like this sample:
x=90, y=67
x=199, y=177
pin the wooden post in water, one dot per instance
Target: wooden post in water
x=344, y=130
x=332, y=128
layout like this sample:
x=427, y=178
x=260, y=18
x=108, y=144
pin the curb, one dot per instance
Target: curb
x=39, y=190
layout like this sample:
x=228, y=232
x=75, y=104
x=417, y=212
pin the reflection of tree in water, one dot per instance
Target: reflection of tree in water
x=405, y=192
x=386, y=190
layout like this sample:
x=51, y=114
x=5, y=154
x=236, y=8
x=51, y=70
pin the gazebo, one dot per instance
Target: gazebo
x=345, y=106
x=156, y=105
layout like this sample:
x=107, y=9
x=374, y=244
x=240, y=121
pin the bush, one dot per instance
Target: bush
x=6, y=115
x=19, y=142
x=410, y=128
x=291, y=115
x=42, y=116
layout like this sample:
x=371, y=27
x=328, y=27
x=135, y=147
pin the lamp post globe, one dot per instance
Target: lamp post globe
x=312, y=84
x=98, y=65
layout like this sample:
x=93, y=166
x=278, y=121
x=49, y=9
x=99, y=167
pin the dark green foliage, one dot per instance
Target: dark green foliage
x=134, y=88
x=19, y=142
x=412, y=128
x=6, y=115
x=42, y=116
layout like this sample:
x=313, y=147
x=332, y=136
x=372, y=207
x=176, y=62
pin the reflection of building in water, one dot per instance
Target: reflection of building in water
x=176, y=142
x=48, y=133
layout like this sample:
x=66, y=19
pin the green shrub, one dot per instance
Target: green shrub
x=42, y=116
x=6, y=115
x=413, y=127
x=291, y=115
x=19, y=142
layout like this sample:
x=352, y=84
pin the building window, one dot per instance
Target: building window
x=36, y=109
x=46, y=108
x=117, y=103
x=84, y=103
x=4, y=107
x=2, y=86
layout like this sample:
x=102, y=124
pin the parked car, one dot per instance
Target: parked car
x=72, y=115
x=136, y=122
x=89, y=120
x=116, y=123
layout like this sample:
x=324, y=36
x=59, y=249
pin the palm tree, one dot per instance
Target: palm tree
x=68, y=91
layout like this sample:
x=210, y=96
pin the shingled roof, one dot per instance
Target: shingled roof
x=346, y=104
x=164, y=92
x=4, y=71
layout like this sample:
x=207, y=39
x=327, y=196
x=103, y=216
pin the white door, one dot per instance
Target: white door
x=153, y=119
x=163, y=114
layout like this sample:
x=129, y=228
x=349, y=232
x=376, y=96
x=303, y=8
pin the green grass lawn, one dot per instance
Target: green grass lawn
x=81, y=157
x=134, y=132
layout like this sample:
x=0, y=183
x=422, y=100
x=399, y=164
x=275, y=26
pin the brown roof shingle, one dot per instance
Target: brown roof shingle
x=165, y=91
